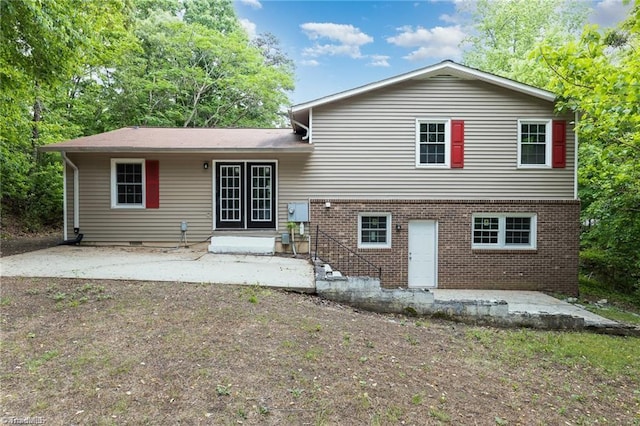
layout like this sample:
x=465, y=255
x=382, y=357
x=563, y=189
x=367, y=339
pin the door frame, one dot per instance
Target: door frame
x=435, y=252
x=245, y=163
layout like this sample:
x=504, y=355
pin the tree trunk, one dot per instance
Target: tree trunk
x=37, y=117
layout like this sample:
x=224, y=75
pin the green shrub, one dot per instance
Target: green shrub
x=612, y=268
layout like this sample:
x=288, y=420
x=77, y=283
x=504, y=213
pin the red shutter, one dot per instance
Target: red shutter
x=559, y=144
x=457, y=144
x=152, y=168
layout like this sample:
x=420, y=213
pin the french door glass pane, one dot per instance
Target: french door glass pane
x=261, y=193
x=230, y=193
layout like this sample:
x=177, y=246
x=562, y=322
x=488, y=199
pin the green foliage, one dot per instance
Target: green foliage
x=597, y=75
x=506, y=31
x=46, y=51
x=593, y=290
x=607, y=266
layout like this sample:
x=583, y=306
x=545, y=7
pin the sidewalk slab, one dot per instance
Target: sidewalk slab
x=156, y=264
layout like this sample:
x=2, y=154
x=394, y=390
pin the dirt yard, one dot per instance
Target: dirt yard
x=14, y=240
x=114, y=352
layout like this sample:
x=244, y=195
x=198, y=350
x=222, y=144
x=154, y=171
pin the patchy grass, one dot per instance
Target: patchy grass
x=615, y=314
x=613, y=355
x=174, y=353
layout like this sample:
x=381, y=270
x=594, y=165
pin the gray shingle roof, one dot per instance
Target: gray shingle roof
x=145, y=139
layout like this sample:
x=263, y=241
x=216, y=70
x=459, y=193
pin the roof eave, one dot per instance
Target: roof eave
x=115, y=150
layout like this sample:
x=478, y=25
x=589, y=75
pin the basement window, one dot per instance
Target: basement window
x=508, y=231
x=374, y=230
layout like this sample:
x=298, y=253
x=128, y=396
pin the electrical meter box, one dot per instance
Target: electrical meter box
x=298, y=212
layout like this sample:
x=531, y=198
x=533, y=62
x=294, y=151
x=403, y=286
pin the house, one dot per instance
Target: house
x=443, y=177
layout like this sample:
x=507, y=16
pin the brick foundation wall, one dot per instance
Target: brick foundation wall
x=552, y=266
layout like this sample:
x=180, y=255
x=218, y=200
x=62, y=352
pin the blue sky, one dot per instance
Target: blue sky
x=339, y=45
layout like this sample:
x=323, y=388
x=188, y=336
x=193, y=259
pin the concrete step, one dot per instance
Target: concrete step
x=242, y=245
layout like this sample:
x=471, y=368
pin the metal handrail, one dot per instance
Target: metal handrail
x=342, y=258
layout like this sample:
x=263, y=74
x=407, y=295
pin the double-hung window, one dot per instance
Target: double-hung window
x=374, y=230
x=534, y=143
x=127, y=183
x=433, y=142
x=504, y=231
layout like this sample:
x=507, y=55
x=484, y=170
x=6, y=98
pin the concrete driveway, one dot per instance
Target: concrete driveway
x=196, y=265
x=192, y=265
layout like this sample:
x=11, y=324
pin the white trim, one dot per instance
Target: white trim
x=501, y=245
x=385, y=245
x=214, y=176
x=547, y=145
x=442, y=68
x=64, y=198
x=575, y=156
x=114, y=187
x=76, y=193
x=447, y=142
x=311, y=126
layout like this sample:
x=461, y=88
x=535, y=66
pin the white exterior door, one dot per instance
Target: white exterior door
x=423, y=253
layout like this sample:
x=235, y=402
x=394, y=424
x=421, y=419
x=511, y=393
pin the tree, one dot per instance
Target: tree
x=505, y=32
x=597, y=76
x=45, y=44
x=200, y=71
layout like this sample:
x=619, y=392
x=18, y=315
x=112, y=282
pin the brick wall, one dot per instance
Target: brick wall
x=552, y=266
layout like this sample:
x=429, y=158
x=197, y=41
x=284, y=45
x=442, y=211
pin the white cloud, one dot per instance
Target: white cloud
x=607, y=13
x=379, y=61
x=348, y=38
x=249, y=27
x=309, y=63
x=332, y=50
x=253, y=3
x=437, y=42
x=449, y=19
x=441, y=52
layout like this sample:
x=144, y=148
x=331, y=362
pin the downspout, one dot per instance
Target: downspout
x=76, y=196
x=64, y=200
x=575, y=157
x=305, y=137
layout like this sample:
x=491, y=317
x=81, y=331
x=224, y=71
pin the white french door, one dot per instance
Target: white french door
x=245, y=195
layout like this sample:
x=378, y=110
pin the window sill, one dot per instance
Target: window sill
x=372, y=247
x=476, y=250
x=533, y=166
x=432, y=166
x=128, y=207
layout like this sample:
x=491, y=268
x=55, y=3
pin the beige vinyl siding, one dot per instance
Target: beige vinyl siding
x=185, y=194
x=365, y=146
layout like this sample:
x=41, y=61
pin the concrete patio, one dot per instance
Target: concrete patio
x=196, y=265
x=192, y=265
